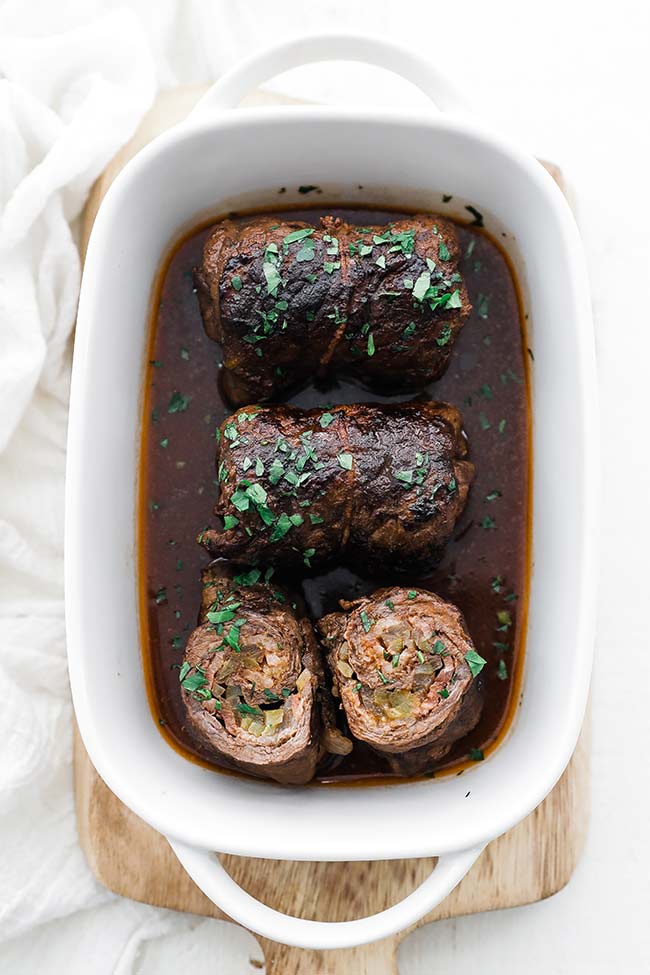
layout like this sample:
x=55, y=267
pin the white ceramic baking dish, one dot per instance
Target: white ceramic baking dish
x=219, y=158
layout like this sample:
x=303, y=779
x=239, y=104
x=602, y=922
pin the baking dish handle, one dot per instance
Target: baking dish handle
x=252, y=72
x=216, y=883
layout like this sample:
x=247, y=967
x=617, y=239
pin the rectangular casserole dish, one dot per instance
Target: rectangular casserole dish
x=219, y=160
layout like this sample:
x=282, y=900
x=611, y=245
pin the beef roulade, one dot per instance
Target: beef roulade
x=405, y=670
x=253, y=683
x=381, y=485
x=288, y=301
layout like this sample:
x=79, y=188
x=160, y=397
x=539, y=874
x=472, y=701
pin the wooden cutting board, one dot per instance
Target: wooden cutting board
x=531, y=862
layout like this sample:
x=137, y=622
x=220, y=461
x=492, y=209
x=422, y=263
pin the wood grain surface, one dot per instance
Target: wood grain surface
x=529, y=863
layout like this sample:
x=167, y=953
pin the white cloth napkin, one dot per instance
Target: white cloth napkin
x=68, y=100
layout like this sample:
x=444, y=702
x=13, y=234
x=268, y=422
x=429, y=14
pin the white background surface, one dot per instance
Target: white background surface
x=570, y=81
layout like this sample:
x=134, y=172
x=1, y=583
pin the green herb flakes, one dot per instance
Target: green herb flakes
x=475, y=662
x=482, y=304
x=282, y=526
x=248, y=578
x=273, y=279
x=492, y=496
x=307, y=555
x=178, y=403
x=421, y=286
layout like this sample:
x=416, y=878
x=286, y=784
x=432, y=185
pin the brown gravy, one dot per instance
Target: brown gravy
x=485, y=567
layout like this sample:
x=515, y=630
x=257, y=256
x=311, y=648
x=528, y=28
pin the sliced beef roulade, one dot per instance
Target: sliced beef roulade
x=252, y=681
x=381, y=485
x=405, y=670
x=288, y=301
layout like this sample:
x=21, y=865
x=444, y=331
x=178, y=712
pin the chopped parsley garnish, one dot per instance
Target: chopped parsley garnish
x=475, y=662
x=244, y=708
x=488, y=523
x=224, y=615
x=371, y=345
x=421, y=286
x=307, y=555
x=406, y=477
x=492, y=496
x=248, y=578
x=298, y=235
x=326, y=419
x=178, y=403
x=236, y=282
x=273, y=279
x=306, y=253
x=193, y=682
x=345, y=460
x=476, y=754
x=482, y=303
x=411, y=594
x=502, y=670
x=443, y=251
x=282, y=526
x=276, y=470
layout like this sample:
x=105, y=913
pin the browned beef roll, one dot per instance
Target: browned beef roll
x=405, y=670
x=289, y=301
x=252, y=680
x=381, y=485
